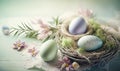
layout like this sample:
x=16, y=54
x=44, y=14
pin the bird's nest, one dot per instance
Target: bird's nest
x=106, y=52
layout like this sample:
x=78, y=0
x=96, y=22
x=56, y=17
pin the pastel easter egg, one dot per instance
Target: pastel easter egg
x=90, y=42
x=77, y=26
x=49, y=50
x=5, y=30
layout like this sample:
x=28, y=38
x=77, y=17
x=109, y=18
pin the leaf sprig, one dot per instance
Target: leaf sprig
x=28, y=31
x=56, y=21
x=24, y=29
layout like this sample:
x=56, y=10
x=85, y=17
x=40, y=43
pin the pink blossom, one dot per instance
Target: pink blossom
x=33, y=51
x=44, y=34
x=44, y=30
x=19, y=45
x=85, y=12
x=43, y=24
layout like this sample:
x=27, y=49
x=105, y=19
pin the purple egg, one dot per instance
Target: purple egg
x=77, y=26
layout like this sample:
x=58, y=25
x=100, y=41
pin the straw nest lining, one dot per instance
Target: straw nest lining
x=87, y=58
x=64, y=30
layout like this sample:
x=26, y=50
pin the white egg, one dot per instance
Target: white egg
x=90, y=42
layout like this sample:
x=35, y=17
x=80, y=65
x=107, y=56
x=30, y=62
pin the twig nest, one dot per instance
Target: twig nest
x=74, y=32
x=90, y=42
x=92, y=46
x=112, y=31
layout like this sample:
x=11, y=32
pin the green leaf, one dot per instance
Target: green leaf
x=11, y=31
x=20, y=33
x=20, y=27
x=24, y=29
x=23, y=25
x=56, y=20
x=28, y=27
x=15, y=33
x=81, y=50
x=45, y=39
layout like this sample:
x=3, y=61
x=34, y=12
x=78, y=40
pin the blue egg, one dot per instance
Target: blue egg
x=77, y=26
x=5, y=30
x=90, y=42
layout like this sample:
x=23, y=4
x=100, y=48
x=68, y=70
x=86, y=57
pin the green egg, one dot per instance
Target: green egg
x=48, y=50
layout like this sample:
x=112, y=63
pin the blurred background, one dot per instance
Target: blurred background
x=28, y=8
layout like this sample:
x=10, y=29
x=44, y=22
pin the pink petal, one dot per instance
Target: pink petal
x=42, y=24
x=35, y=53
x=30, y=50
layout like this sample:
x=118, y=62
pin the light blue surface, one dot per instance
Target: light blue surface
x=11, y=60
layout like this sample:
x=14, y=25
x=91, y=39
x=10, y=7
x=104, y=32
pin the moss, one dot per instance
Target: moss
x=97, y=29
x=110, y=43
x=81, y=50
x=100, y=33
x=94, y=24
x=67, y=42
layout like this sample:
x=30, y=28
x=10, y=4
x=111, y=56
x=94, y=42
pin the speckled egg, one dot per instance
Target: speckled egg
x=90, y=42
x=77, y=26
x=48, y=50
